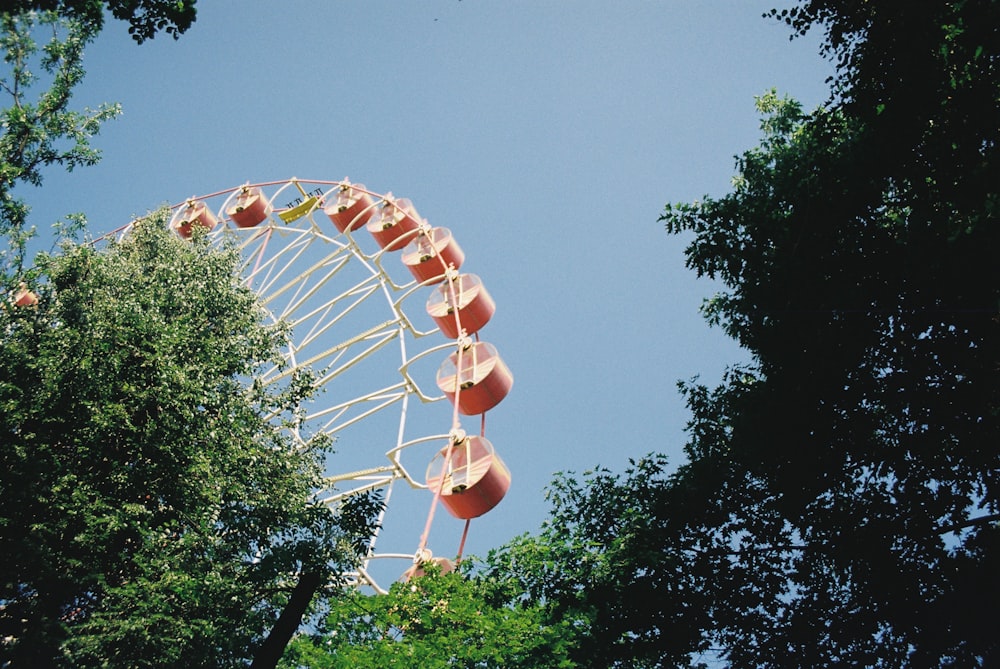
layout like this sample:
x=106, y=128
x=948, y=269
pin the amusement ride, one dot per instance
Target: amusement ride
x=383, y=315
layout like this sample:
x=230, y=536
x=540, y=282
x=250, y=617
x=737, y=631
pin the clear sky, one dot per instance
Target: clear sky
x=547, y=135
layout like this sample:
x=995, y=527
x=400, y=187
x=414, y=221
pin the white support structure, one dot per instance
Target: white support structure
x=359, y=325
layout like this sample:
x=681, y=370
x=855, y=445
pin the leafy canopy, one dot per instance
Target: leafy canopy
x=434, y=621
x=152, y=514
x=38, y=127
x=146, y=18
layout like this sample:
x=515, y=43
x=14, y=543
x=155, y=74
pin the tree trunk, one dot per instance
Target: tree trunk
x=274, y=646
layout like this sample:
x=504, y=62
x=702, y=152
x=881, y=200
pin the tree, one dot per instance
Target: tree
x=435, y=620
x=39, y=129
x=839, y=503
x=152, y=514
x=44, y=132
x=611, y=569
x=145, y=17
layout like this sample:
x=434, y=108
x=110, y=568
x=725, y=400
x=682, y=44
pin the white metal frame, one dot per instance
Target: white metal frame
x=320, y=281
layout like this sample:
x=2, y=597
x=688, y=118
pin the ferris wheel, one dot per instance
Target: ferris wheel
x=383, y=315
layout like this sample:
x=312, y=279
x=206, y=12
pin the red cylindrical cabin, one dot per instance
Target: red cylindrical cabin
x=472, y=481
x=250, y=208
x=24, y=297
x=479, y=381
x=474, y=305
x=352, y=209
x=195, y=213
x=430, y=254
x=395, y=220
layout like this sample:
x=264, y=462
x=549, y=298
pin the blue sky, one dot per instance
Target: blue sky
x=547, y=135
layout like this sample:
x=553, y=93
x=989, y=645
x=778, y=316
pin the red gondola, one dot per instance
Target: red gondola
x=395, y=221
x=479, y=381
x=352, y=209
x=195, y=213
x=251, y=208
x=474, y=481
x=24, y=297
x=475, y=306
x=431, y=253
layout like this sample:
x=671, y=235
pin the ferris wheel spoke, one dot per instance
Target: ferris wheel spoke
x=373, y=340
x=333, y=311
x=341, y=417
x=255, y=244
x=294, y=275
x=357, y=483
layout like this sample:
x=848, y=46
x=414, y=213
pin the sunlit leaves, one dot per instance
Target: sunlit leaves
x=167, y=512
x=435, y=621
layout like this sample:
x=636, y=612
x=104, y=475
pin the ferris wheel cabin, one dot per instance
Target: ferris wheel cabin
x=467, y=295
x=194, y=214
x=471, y=477
x=431, y=254
x=475, y=378
x=250, y=208
x=396, y=221
x=352, y=209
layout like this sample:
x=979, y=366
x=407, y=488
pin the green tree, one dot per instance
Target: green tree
x=839, y=502
x=434, y=621
x=43, y=43
x=610, y=568
x=152, y=514
x=146, y=18
x=38, y=128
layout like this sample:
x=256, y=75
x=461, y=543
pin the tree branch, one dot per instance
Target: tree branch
x=982, y=520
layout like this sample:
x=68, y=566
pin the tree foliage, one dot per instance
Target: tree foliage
x=39, y=129
x=153, y=511
x=924, y=80
x=611, y=568
x=146, y=18
x=434, y=621
x=839, y=501
x=151, y=515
